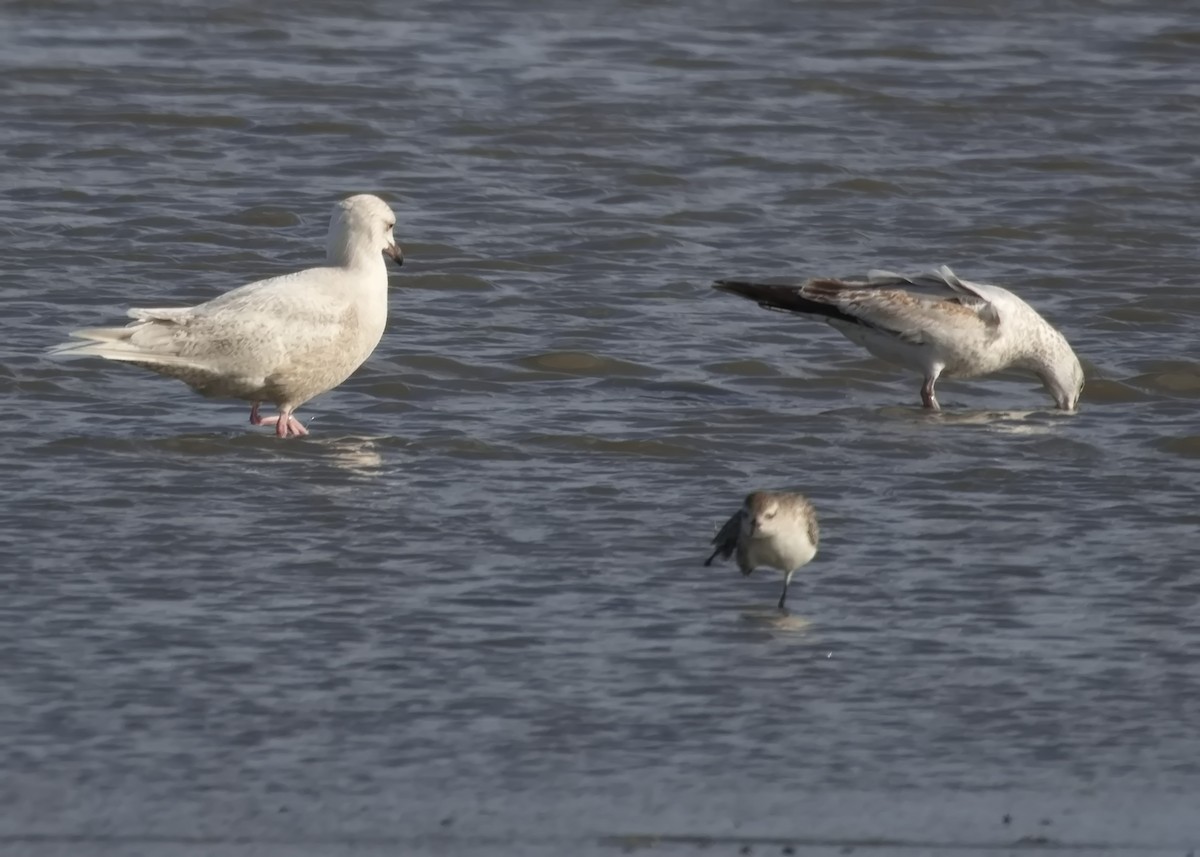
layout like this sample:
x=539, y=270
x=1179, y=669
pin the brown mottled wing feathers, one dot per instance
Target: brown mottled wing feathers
x=881, y=303
x=784, y=298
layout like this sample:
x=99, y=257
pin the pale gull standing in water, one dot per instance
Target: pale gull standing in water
x=968, y=330
x=773, y=529
x=283, y=340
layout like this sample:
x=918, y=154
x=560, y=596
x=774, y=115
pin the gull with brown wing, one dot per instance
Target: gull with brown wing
x=964, y=330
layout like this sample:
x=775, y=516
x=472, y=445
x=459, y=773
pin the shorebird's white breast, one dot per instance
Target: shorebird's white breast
x=783, y=551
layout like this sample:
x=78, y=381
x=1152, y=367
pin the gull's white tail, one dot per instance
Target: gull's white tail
x=116, y=343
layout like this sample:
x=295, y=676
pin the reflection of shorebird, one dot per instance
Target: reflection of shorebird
x=774, y=529
x=282, y=340
x=964, y=331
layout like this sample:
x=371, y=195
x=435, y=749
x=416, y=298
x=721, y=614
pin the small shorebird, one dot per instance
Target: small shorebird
x=968, y=330
x=773, y=529
x=282, y=340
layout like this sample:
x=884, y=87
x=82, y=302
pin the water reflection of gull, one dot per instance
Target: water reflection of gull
x=1036, y=421
x=1008, y=421
x=776, y=621
x=352, y=454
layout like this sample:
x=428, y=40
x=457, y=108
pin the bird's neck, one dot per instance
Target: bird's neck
x=1050, y=349
x=342, y=252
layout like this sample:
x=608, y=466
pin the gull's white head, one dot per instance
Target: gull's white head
x=361, y=226
x=1061, y=374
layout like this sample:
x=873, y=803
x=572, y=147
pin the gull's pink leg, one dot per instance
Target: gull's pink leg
x=287, y=425
x=928, y=398
x=258, y=420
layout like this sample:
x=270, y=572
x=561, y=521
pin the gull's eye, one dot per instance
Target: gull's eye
x=769, y=515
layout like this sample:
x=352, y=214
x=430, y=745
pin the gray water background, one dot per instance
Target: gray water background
x=468, y=615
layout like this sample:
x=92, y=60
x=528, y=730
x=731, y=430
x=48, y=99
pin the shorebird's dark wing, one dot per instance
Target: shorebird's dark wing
x=726, y=540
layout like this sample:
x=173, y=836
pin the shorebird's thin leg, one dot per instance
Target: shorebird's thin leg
x=928, y=399
x=255, y=419
x=787, y=578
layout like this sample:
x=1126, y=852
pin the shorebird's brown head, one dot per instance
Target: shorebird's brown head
x=762, y=510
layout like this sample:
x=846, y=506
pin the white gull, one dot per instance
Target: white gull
x=283, y=340
x=974, y=330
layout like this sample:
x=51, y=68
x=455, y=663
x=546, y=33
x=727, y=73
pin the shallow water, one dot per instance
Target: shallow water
x=468, y=615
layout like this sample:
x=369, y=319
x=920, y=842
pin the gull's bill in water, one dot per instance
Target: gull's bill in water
x=935, y=324
x=283, y=340
x=773, y=529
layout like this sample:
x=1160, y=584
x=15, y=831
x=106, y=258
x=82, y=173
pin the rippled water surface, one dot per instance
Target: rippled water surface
x=468, y=614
